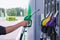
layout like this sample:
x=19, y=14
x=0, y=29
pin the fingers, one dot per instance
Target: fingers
x=24, y=23
x=27, y=22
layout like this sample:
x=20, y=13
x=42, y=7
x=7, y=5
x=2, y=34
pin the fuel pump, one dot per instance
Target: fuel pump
x=28, y=18
x=43, y=24
x=51, y=27
x=44, y=21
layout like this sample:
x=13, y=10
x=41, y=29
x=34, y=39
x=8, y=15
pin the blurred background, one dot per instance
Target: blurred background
x=11, y=13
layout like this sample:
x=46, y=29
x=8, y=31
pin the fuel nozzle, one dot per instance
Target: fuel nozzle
x=28, y=18
x=51, y=27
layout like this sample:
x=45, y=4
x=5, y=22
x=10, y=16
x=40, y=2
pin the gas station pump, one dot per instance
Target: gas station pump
x=49, y=23
x=44, y=22
x=51, y=27
x=28, y=18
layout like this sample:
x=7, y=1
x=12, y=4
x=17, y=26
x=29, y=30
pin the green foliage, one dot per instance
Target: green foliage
x=11, y=12
x=11, y=18
x=15, y=12
x=2, y=9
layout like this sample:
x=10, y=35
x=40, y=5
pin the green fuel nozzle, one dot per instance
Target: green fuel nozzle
x=28, y=18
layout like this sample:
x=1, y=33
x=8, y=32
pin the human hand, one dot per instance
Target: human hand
x=24, y=23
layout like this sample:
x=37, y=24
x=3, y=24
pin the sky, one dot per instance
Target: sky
x=14, y=3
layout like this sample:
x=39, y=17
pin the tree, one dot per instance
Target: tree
x=11, y=12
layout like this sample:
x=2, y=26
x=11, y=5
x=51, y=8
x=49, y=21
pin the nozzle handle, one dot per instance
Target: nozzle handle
x=51, y=14
x=34, y=12
x=48, y=14
x=56, y=14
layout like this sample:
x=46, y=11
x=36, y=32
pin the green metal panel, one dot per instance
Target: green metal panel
x=29, y=10
x=29, y=13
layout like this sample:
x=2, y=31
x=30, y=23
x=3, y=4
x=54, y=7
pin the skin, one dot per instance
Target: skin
x=14, y=27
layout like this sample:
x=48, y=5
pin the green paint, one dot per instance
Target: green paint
x=29, y=14
x=29, y=10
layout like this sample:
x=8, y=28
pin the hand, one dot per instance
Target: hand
x=24, y=23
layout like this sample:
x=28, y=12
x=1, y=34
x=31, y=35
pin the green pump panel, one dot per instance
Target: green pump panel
x=29, y=13
x=29, y=10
